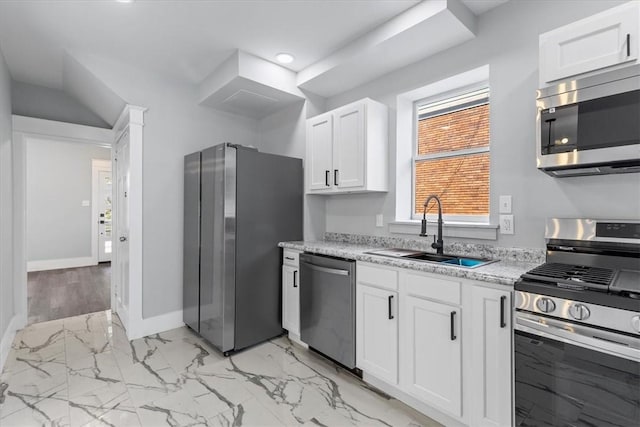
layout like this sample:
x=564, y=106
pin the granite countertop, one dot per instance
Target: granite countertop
x=504, y=272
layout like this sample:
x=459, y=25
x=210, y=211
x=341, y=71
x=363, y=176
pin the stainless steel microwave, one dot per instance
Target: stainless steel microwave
x=590, y=126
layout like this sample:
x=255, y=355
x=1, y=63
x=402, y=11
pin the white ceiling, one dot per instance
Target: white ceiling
x=185, y=40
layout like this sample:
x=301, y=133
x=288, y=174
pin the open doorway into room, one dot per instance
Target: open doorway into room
x=68, y=227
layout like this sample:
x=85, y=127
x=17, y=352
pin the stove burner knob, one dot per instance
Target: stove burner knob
x=546, y=305
x=635, y=323
x=579, y=312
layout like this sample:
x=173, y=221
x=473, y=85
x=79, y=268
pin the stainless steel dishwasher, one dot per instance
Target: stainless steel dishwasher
x=328, y=306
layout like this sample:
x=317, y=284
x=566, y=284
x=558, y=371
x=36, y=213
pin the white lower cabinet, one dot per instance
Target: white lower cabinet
x=291, y=292
x=491, y=362
x=290, y=299
x=411, y=331
x=432, y=368
x=377, y=332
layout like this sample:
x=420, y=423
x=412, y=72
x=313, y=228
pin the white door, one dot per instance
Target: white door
x=491, y=348
x=433, y=366
x=104, y=215
x=121, y=234
x=348, y=146
x=291, y=300
x=319, y=153
x=377, y=332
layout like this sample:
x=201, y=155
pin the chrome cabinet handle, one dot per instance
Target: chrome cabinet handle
x=289, y=258
x=123, y=239
x=295, y=276
x=390, y=302
x=335, y=177
x=628, y=45
x=326, y=178
x=503, y=322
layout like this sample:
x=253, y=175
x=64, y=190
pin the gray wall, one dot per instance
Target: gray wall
x=284, y=133
x=507, y=40
x=58, y=180
x=51, y=104
x=174, y=126
x=6, y=201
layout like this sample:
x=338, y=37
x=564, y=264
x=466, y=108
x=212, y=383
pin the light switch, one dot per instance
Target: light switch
x=505, y=204
x=86, y=203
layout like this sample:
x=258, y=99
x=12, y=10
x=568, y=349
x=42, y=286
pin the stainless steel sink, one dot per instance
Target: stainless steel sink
x=453, y=260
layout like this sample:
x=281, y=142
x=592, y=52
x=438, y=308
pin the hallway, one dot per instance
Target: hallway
x=56, y=294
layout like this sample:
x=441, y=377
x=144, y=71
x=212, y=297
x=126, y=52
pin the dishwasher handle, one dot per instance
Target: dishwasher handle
x=327, y=270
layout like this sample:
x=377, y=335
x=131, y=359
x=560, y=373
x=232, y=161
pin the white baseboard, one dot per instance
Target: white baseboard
x=7, y=340
x=156, y=324
x=56, y=264
x=296, y=339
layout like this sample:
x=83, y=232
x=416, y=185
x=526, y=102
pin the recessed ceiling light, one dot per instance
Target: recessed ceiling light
x=284, y=58
x=124, y=1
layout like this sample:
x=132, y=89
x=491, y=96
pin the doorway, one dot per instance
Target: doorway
x=68, y=216
x=102, y=211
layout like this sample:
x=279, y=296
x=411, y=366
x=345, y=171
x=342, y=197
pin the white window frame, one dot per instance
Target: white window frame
x=415, y=157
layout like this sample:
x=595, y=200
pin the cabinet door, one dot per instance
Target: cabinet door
x=491, y=348
x=606, y=39
x=377, y=332
x=349, y=146
x=291, y=299
x=320, y=153
x=431, y=368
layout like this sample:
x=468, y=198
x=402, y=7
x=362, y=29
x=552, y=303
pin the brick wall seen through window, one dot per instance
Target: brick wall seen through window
x=452, y=155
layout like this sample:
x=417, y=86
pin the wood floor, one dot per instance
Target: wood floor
x=56, y=294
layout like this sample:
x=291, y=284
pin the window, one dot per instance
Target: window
x=451, y=156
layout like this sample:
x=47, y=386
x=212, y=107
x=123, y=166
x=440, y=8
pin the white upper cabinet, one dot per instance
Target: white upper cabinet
x=607, y=39
x=347, y=149
x=320, y=152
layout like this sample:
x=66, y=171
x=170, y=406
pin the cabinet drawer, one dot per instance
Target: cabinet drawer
x=432, y=287
x=290, y=257
x=379, y=277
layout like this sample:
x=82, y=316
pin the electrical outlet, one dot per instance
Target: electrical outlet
x=379, y=220
x=505, y=204
x=506, y=224
x=85, y=203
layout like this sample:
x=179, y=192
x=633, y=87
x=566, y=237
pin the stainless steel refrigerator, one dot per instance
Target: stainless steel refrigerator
x=238, y=204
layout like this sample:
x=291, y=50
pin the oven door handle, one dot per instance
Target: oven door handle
x=581, y=336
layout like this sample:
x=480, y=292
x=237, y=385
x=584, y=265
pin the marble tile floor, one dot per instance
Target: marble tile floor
x=82, y=371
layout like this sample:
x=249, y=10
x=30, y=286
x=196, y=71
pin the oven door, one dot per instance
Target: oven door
x=571, y=375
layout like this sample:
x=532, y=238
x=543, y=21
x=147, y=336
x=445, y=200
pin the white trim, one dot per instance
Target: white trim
x=449, y=154
x=156, y=324
x=50, y=128
x=132, y=119
x=7, y=340
x=405, y=129
x=97, y=165
x=56, y=264
x=457, y=230
x=20, y=299
x=24, y=128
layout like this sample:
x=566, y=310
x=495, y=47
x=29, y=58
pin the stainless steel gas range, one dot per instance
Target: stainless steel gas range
x=577, y=328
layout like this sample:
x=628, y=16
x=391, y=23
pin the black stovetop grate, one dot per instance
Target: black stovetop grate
x=575, y=273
